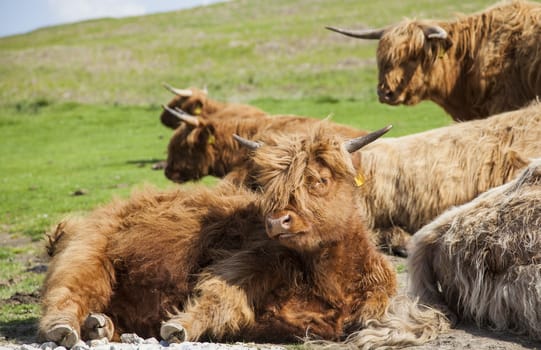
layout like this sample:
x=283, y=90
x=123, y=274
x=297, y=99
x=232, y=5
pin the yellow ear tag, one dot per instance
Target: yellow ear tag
x=197, y=111
x=359, y=179
x=211, y=139
x=441, y=52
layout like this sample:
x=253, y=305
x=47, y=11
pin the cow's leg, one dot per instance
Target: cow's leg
x=219, y=309
x=382, y=277
x=78, y=282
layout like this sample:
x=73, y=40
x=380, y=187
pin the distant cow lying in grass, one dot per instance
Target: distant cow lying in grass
x=197, y=103
x=473, y=67
x=410, y=180
x=482, y=261
x=225, y=263
x=205, y=146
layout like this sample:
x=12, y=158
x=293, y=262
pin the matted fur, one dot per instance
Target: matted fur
x=209, y=148
x=482, y=260
x=489, y=63
x=199, y=258
x=410, y=180
x=404, y=323
x=145, y=249
x=199, y=104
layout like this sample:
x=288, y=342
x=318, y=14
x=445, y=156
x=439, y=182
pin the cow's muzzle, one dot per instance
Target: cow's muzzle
x=283, y=225
x=386, y=95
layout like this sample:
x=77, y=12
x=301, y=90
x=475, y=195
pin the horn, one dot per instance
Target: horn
x=247, y=143
x=435, y=32
x=180, y=92
x=359, y=142
x=185, y=117
x=360, y=34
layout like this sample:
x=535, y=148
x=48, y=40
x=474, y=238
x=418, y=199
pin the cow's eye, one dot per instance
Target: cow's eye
x=320, y=185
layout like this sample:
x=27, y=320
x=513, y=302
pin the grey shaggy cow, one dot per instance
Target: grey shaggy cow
x=482, y=261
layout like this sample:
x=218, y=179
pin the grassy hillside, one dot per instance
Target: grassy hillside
x=241, y=50
x=79, y=104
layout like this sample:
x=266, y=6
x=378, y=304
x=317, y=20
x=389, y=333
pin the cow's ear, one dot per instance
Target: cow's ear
x=197, y=108
x=207, y=134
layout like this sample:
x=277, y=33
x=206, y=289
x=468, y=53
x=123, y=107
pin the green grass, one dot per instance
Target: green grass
x=15, y=274
x=242, y=50
x=49, y=151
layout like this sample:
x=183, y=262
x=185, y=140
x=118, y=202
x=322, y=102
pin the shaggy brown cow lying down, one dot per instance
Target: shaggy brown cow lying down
x=205, y=146
x=412, y=179
x=482, y=261
x=291, y=260
x=197, y=103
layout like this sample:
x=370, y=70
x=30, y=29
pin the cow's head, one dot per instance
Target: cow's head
x=407, y=54
x=192, y=101
x=307, y=185
x=191, y=151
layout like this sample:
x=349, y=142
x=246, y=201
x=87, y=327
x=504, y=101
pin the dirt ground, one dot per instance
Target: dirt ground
x=464, y=336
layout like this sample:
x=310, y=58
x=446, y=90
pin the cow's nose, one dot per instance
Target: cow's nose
x=281, y=224
x=385, y=94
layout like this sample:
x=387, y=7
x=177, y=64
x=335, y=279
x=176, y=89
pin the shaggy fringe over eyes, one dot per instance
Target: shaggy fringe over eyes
x=281, y=169
x=406, y=39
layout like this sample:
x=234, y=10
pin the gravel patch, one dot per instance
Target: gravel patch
x=131, y=341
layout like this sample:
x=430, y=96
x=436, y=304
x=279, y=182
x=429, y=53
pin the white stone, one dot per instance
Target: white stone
x=131, y=338
x=48, y=346
x=151, y=341
x=28, y=347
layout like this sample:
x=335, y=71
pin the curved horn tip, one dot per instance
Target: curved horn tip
x=168, y=87
x=435, y=32
x=371, y=34
x=359, y=142
x=180, y=92
x=183, y=116
x=247, y=143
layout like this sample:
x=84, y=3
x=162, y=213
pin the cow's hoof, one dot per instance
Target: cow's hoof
x=64, y=335
x=173, y=332
x=98, y=326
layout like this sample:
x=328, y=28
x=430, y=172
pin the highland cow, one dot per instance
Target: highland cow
x=205, y=146
x=410, y=180
x=196, y=102
x=290, y=260
x=482, y=261
x=473, y=67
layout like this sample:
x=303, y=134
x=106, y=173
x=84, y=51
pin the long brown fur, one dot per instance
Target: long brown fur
x=210, y=149
x=489, y=63
x=482, y=261
x=412, y=179
x=199, y=259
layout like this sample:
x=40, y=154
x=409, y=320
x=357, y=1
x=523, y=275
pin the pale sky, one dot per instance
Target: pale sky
x=21, y=16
